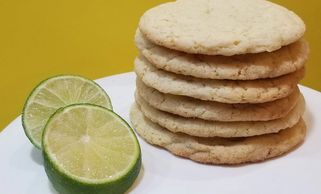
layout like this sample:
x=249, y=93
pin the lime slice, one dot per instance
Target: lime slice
x=90, y=149
x=54, y=93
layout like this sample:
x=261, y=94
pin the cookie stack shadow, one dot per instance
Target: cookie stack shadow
x=215, y=104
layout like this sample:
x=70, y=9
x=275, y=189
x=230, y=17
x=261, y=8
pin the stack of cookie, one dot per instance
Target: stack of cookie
x=217, y=80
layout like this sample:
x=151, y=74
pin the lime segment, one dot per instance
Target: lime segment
x=90, y=149
x=55, y=93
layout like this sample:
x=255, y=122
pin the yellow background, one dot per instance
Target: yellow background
x=94, y=38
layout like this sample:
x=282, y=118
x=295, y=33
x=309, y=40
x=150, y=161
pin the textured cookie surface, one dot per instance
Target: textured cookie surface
x=215, y=111
x=203, y=128
x=225, y=91
x=221, y=27
x=219, y=150
x=239, y=67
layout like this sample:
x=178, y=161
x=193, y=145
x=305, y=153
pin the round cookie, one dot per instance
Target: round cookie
x=239, y=67
x=225, y=91
x=221, y=27
x=215, y=111
x=219, y=150
x=203, y=128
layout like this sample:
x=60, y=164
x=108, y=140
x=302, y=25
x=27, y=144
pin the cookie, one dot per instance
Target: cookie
x=203, y=128
x=215, y=111
x=225, y=91
x=219, y=150
x=221, y=27
x=286, y=60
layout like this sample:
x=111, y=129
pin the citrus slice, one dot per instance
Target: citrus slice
x=54, y=93
x=90, y=149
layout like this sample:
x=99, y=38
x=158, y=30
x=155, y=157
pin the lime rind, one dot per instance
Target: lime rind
x=27, y=131
x=65, y=182
x=68, y=185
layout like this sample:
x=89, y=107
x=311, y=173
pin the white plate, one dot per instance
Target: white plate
x=21, y=169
